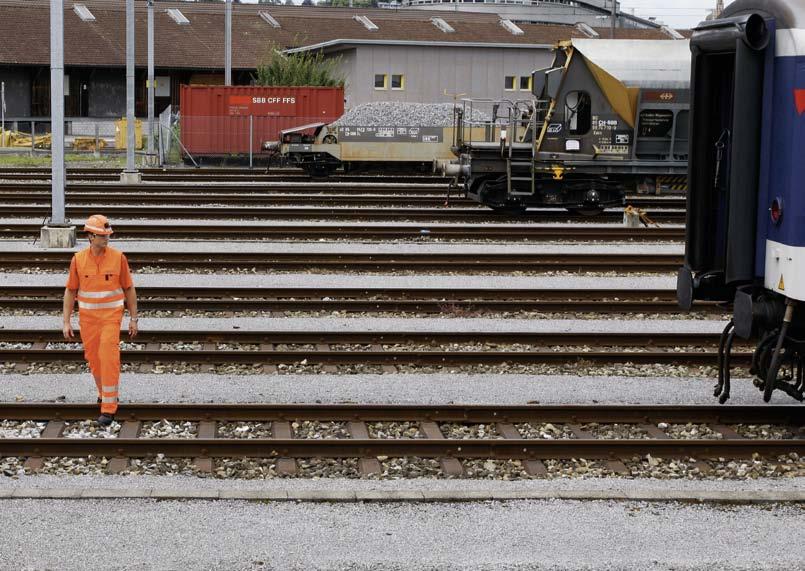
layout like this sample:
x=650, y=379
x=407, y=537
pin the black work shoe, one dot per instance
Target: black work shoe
x=106, y=419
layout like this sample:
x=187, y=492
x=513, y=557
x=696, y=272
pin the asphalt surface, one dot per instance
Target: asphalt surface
x=518, y=535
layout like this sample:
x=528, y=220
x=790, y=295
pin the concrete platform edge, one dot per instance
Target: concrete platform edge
x=657, y=495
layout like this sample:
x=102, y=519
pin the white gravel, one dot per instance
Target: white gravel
x=164, y=246
x=432, y=324
x=339, y=280
x=404, y=114
x=382, y=388
x=533, y=535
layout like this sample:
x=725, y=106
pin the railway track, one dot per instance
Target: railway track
x=301, y=198
x=264, y=188
x=508, y=232
x=211, y=175
x=479, y=262
x=420, y=348
x=284, y=448
x=456, y=214
x=419, y=300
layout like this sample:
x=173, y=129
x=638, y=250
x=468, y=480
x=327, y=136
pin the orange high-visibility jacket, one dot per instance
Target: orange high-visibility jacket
x=100, y=293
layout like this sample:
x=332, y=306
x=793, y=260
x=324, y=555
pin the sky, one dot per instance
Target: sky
x=675, y=13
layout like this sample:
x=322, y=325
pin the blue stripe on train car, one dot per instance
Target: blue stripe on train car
x=787, y=153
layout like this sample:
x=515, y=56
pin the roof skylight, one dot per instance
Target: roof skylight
x=367, y=23
x=442, y=25
x=177, y=16
x=511, y=27
x=83, y=12
x=587, y=30
x=270, y=19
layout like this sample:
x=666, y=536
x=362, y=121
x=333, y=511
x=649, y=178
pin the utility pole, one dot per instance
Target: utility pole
x=56, y=233
x=151, y=85
x=131, y=175
x=228, y=42
x=614, y=18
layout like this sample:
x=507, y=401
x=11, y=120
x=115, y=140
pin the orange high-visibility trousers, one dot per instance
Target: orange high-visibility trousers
x=101, y=338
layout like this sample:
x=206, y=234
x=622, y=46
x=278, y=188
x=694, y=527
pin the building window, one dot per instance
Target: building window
x=397, y=81
x=578, y=113
x=525, y=83
x=381, y=81
x=508, y=82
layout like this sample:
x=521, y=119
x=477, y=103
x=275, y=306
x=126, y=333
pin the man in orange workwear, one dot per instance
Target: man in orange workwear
x=101, y=281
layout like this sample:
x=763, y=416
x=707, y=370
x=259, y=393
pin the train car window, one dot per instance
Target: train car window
x=381, y=81
x=508, y=82
x=578, y=113
x=655, y=123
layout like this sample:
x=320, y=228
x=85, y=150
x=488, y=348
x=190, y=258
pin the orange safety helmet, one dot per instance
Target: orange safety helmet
x=98, y=224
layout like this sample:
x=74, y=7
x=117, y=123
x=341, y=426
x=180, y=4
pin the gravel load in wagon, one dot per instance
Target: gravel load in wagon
x=394, y=113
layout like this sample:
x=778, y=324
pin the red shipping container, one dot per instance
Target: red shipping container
x=215, y=120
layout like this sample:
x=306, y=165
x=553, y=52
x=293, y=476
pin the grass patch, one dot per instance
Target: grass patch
x=25, y=160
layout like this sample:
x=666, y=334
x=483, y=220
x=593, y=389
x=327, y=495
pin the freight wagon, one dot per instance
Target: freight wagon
x=220, y=121
x=607, y=118
x=357, y=147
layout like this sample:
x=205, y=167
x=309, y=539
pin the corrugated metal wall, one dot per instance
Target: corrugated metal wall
x=429, y=71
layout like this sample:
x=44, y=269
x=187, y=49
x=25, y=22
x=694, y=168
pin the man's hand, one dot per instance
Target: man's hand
x=67, y=331
x=133, y=330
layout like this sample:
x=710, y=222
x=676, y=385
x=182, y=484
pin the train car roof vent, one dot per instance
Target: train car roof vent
x=511, y=27
x=83, y=12
x=442, y=25
x=587, y=30
x=269, y=19
x=177, y=16
x=367, y=23
x=667, y=30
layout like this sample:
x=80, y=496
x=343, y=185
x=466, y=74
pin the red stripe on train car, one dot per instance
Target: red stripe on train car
x=799, y=97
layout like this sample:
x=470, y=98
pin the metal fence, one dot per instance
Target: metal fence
x=176, y=139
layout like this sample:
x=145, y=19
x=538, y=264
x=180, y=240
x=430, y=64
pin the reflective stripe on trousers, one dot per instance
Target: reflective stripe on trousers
x=101, y=338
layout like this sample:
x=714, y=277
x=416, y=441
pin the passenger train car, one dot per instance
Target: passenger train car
x=608, y=117
x=745, y=240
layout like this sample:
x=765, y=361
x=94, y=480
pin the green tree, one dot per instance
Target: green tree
x=299, y=69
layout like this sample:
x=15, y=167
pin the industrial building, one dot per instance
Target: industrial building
x=406, y=55
x=594, y=13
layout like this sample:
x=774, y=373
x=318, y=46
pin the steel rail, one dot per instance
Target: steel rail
x=205, y=174
x=418, y=358
x=485, y=262
x=463, y=413
x=554, y=348
x=505, y=448
x=509, y=232
x=419, y=447
x=307, y=199
x=320, y=213
x=661, y=339
x=277, y=187
x=364, y=299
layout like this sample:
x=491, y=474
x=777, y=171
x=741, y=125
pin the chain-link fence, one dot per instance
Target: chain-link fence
x=238, y=139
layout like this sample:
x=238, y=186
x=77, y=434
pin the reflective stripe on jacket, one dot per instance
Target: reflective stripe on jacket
x=99, y=287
